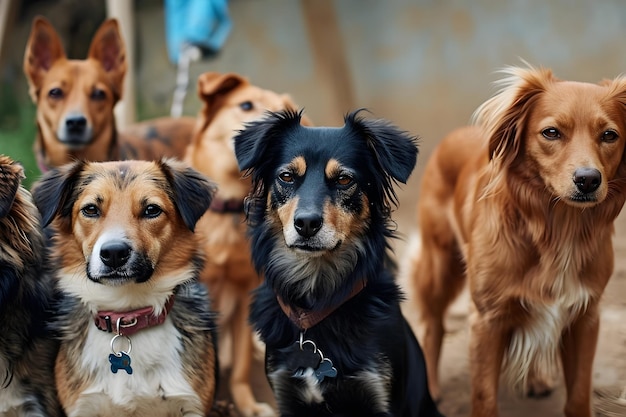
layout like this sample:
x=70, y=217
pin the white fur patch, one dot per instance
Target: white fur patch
x=157, y=387
x=534, y=348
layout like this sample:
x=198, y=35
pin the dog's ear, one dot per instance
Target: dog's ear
x=54, y=193
x=213, y=87
x=252, y=141
x=107, y=47
x=11, y=176
x=193, y=192
x=43, y=49
x=394, y=149
x=504, y=116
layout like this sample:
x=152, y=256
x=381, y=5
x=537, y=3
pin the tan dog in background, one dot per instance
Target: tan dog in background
x=523, y=205
x=229, y=102
x=75, y=101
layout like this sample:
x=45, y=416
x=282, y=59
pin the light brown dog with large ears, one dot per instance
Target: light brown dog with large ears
x=75, y=101
x=523, y=205
x=229, y=102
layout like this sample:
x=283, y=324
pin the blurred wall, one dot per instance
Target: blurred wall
x=423, y=64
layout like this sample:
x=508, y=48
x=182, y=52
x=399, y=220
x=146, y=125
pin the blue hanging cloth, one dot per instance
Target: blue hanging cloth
x=204, y=24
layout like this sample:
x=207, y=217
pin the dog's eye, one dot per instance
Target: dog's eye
x=98, y=94
x=344, y=180
x=286, y=177
x=90, y=210
x=246, y=106
x=609, y=136
x=151, y=211
x=55, y=93
x=551, y=133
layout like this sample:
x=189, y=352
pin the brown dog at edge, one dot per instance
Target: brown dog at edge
x=75, y=101
x=229, y=102
x=523, y=205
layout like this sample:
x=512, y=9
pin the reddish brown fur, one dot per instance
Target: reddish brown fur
x=229, y=272
x=494, y=203
x=46, y=67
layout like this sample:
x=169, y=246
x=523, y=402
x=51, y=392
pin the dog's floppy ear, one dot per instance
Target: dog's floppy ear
x=193, y=192
x=213, y=86
x=11, y=176
x=251, y=142
x=107, y=47
x=54, y=193
x=43, y=49
x=395, y=150
x=505, y=115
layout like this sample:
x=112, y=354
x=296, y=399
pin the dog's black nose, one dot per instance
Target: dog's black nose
x=307, y=224
x=76, y=124
x=587, y=180
x=115, y=254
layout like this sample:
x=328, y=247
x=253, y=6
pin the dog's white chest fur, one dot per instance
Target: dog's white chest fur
x=157, y=386
x=533, y=350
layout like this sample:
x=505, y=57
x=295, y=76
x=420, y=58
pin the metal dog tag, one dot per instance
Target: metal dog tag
x=307, y=360
x=120, y=359
x=302, y=356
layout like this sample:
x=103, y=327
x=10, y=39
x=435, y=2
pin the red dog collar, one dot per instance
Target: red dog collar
x=130, y=322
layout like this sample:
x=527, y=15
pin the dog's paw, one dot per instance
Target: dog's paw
x=259, y=410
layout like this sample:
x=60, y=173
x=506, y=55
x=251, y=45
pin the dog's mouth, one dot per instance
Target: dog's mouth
x=76, y=142
x=311, y=249
x=583, y=199
x=120, y=276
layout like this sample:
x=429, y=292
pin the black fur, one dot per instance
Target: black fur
x=27, y=349
x=367, y=338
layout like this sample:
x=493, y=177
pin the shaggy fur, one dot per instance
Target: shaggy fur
x=123, y=240
x=27, y=350
x=523, y=205
x=319, y=224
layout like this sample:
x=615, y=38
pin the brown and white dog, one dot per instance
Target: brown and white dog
x=27, y=350
x=75, y=101
x=523, y=205
x=230, y=101
x=137, y=335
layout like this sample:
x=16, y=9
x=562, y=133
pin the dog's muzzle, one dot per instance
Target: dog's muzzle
x=587, y=181
x=115, y=262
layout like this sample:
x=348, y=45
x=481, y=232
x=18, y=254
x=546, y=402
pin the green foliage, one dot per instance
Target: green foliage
x=17, y=135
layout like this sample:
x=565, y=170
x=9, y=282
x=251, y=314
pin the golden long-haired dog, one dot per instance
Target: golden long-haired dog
x=523, y=205
x=137, y=334
x=230, y=101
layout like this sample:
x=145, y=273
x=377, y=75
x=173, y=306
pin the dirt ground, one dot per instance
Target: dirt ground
x=610, y=362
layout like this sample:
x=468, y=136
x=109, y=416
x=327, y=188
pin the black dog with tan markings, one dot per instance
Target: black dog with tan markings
x=328, y=310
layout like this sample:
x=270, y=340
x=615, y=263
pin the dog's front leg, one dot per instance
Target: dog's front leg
x=242, y=363
x=578, y=349
x=487, y=345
